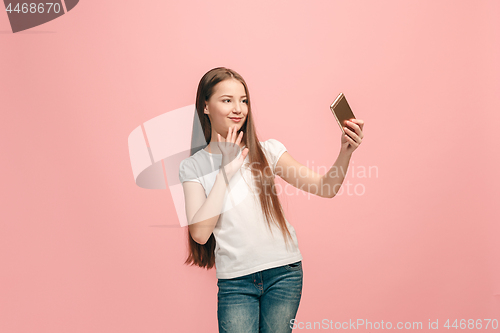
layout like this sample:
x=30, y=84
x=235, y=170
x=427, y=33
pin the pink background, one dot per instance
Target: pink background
x=84, y=249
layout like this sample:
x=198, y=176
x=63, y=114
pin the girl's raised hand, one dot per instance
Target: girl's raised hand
x=230, y=146
x=353, y=135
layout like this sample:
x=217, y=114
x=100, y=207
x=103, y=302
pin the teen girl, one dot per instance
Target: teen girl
x=235, y=218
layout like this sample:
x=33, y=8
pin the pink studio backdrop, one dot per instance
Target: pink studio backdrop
x=84, y=249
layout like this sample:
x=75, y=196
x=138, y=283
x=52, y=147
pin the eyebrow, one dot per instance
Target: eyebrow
x=232, y=96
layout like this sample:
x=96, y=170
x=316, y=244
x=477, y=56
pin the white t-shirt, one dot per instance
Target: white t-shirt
x=244, y=244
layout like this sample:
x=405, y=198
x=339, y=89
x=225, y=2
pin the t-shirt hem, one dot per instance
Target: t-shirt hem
x=269, y=265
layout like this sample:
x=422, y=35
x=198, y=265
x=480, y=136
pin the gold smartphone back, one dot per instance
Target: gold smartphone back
x=341, y=110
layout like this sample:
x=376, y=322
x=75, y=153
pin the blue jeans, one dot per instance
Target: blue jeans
x=264, y=301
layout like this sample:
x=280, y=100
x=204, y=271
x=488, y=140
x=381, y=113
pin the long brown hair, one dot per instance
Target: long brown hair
x=203, y=255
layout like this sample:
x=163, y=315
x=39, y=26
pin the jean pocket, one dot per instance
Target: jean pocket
x=296, y=266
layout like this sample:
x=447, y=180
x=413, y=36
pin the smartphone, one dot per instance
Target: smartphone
x=341, y=110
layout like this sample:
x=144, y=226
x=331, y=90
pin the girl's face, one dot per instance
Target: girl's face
x=228, y=101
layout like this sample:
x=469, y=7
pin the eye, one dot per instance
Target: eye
x=245, y=101
x=226, y=100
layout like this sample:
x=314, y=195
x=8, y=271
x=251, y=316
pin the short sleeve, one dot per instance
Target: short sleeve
x=275, y=150
x=187, y=172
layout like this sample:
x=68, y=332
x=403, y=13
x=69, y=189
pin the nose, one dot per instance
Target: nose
x=236, y=112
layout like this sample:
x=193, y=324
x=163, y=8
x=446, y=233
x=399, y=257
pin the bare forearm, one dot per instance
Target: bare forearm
x=205, y=219
x=333, y=179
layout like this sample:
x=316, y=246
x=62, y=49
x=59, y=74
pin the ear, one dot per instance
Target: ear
x=205, y=108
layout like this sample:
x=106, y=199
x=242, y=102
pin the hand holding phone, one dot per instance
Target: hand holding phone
x=342, y=111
